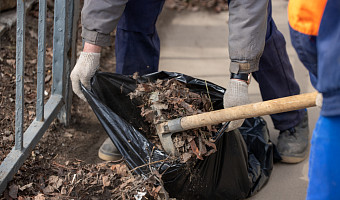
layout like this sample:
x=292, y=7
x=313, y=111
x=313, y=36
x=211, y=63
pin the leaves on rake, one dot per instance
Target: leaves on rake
x=171, y=99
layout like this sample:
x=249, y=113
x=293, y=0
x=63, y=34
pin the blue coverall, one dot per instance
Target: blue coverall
x=321, y=56
x=138, y=45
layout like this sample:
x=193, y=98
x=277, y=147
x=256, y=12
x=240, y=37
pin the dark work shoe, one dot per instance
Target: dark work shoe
x=108, y=151
x=293, y=143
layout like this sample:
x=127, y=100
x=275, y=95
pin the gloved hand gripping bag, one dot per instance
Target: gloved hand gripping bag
x=240, y=168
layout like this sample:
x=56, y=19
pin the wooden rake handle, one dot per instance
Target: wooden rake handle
x=239, y=112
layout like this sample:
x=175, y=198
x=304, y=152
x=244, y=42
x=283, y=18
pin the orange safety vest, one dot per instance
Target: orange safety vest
x=305, y=16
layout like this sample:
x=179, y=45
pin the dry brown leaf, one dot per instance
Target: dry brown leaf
x=195, y=150
x=49, y=52
x=68, y=135
x=63, y=190
x=10, y=61
x=121, y=169
x=106, y=181
x=33, y=61
x=48, y=78
x=9, y=138
x=25, y=187
x=178, y=141
x=33, y=34
x=94, y=182
x=125, y=183
x=201, y=146
x=13, y=191
x=48, y=189
x=31, y=113
x=187, y=107
x=39, y=197
x=210, y=144
x=190, y=138
x=155, y=191
x=186, y=157
x=148, y=114
x=55, y=182
x=159, y=106
x=135, y=75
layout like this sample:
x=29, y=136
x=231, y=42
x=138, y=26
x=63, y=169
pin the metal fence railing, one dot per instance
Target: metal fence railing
x=66, y=14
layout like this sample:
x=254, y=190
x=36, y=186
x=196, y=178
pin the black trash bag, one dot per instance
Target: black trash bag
x=240, y=168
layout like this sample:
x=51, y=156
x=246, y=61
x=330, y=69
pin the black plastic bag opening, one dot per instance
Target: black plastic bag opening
x=240, y=168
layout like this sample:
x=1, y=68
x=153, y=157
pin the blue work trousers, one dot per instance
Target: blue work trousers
x=138, y=49
x=324, y=161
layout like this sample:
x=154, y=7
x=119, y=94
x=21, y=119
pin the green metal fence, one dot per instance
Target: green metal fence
x=66, y=14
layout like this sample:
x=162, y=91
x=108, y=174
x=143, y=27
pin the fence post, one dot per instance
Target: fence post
x=59, y=47
x=71, y=54
x=64, y=49
x=41, y=60
x=20, y=63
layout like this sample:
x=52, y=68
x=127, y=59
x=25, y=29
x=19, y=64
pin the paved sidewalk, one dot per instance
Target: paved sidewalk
x=195, y=43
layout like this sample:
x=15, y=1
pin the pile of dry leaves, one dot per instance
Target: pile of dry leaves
x=195, y=5
x=170, y=99
x=78, y=180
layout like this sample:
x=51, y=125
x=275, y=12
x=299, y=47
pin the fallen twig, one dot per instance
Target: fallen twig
x=63, y=166
x=206, y=86
x=158, y=161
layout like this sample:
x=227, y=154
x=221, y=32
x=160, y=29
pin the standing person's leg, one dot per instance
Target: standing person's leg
x=319, y=53
x=276, y=80
x=137, y=42
x=137, y=49
x=324, y=160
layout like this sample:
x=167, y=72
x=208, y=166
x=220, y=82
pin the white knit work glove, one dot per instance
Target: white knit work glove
x=235, y=95
x=83, y=71
x=318, y=100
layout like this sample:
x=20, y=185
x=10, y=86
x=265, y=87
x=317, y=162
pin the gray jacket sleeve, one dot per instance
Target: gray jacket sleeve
x=99, y=18
x=247, y=31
